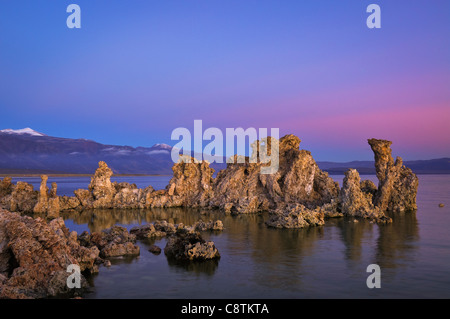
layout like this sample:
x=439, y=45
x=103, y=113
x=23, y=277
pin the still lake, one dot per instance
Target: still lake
x=259, y=262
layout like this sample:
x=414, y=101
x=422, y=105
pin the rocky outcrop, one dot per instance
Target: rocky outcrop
x=301, y=179
x=34, y=256
x=238, y=189
x=129, y=196
x=154, y=249
x=48, y=203
x=23, y=198
x=294, y=193
x=102, y=193
x=6, y=187
x=357, y=203
x=191, y=185
x=397, y=187
x=368, y=187
x=396, y=191
x=54, y=206
x=85, y=198
x=42, y=204
x=383, y=156
x=242, y=188
x=101, y=187
x=67, y=203
x=190, y=246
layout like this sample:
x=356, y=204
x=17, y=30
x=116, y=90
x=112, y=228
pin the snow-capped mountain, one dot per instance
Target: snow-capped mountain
x=162, y=146
x=31, y=151
x=26, y=130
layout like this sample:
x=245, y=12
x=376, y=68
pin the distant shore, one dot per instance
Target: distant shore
x=74, y=175
x=331, y=173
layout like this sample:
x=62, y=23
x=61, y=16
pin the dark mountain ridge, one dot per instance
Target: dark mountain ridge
x=29, y=152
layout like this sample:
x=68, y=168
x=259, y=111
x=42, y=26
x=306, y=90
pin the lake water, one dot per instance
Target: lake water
x=259, y=262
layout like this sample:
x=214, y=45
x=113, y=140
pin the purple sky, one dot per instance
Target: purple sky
x=137, y=70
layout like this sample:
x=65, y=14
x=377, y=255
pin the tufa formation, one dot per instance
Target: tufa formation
x=298, y=194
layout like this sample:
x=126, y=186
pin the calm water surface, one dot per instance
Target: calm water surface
x=258, y=262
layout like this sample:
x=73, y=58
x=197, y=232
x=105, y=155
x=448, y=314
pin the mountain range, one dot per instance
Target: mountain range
x=27, y=151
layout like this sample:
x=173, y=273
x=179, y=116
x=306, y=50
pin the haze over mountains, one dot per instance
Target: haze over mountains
x=26, y=151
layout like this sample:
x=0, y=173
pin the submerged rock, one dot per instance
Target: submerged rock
x=190, y=246
x=210, y=225
x=162, y=228
x=155, y=229
x=112, y=242
x=154, y=249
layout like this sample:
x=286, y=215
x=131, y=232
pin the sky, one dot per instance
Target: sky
x=137, y=70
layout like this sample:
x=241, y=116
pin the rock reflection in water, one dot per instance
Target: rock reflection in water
x=280, y=256
x=396, y=244
x=256, y=261
x=207, y=267
x=100, y=219
x=353, y=234
x=391, y=246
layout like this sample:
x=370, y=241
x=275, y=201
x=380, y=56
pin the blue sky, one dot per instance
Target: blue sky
x=137, y=70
